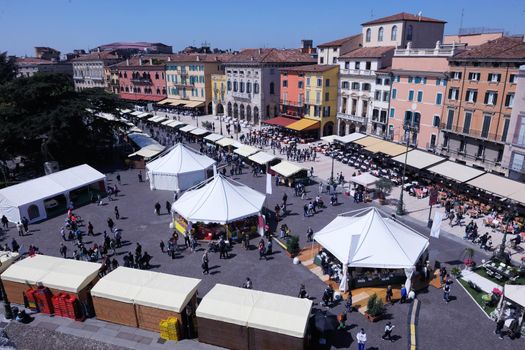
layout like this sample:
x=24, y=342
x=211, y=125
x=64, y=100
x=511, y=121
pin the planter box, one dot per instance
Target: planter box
x=373, y=318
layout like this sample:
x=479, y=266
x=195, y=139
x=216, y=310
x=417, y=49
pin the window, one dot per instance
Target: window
x=424, y=81
x=366, y=87
x=472, y=76
x=472, y=95
x=334, y=60
x=347, y=65
x=386, y=95
x=466, y=122
x=509, y=100
x=433, y=140
x=285, y=83
x=486, y=126
x=249, y=87
x=491, y=97
x=327, y=82
x=326, y=111
x=355, y=86
x=229, y=85
x=321, y=60
x=450, y=119
x=379, y=81
x=255, y=88
x=462, y=146
x=456, y=75
x=380, y=34
x=505, y=129
x=479, y=153
x=453, y=94
x=417, y=80
x=377, y=95
x=410, y=31
x=436, y=121
x=272, y=88
x=386, y=81
x=307, y=81
x=438, y=81
x=439, y=98
x=517, y=162
x=392, y=112
x=420, y=96
x=368, y=65
x=241, y=86
x=411, y=95
x=357, y=65
x=344, y=85
x=319, y=82
x=394, y=94
x=393, y=34
x=235, y=86
x=368, y=36
x=410, y=79
x=307, y=97
x=398, y=78
x=494, y=77
x=317, y=97
x=327, y=96
x=512, y=79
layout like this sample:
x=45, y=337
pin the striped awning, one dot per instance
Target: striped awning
x=304, y=124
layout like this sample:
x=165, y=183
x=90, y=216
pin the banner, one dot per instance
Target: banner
x=214, y=170
x=436, y=225
x=260, y=225
x=268, y=184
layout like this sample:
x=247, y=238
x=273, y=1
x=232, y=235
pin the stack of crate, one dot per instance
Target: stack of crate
x=67, y=306
x=169, y=329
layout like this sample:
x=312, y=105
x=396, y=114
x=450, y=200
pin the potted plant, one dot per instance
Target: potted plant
x=292, y=245
x=468, y=254
x=384, y=186
x=456, y=272
x=375, y=308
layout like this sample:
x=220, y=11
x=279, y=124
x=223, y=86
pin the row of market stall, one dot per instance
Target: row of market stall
x=227, y=316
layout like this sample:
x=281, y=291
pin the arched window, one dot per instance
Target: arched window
x=267, y=111
x=157, y=76
x=248, y=87
x=255, y=88
x=393, y=34
x=410, y=29
x=235, y=86
x=272, y=89
x=368, y=35
x=380, y=34
x=229, y=85
x=241, y=86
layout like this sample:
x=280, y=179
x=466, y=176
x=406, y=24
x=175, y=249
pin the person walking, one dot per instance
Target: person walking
x=349, y=301
x=499, y=327
x=446, y=292
x=20, y=228
x=63, y=250
x=25, y=224
x=5, y=222
x=262, y=250
x=90, y=229
x=341, y=318
x=168, y=207
x=389, y=294
x=117, y=214
x=248, y=283
x=309, y=234
x=285, y=200
x=246, y=240
x=140, y=176
x=162, y=246
x=388, y=331
x=111, y=224
x=404, y=294
x=361, y=339
x=205, y=264
x=157, y=208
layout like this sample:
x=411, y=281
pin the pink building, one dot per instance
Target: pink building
x=418, y=92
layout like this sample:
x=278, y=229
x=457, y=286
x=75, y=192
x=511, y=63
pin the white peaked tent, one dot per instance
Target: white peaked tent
x=221, y=200
x=178, y=170
x=372, y=239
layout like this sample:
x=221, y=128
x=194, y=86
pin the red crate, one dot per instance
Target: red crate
x=43, y=298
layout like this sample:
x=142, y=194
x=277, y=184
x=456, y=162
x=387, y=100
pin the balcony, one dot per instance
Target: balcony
x=352, y=118
x=357, y=72
x=141, y=81
x=291, y=103
x=476, y=134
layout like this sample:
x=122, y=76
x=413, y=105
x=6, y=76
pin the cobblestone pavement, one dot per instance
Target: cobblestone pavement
x=440, y=326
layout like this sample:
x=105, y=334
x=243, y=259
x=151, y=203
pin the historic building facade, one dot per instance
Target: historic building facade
x=89, y=70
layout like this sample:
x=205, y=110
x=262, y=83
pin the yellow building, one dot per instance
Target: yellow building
x=218, y=84
x=188, y=80
x=320, y=95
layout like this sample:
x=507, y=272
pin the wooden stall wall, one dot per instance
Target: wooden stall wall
x=115, y=311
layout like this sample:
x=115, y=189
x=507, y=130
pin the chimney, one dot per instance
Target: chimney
x=169, y=58
x=198, y=58
x=140, y=61
x=260, y=51
x=151, y=61
x=307, y=46
x=127, y=61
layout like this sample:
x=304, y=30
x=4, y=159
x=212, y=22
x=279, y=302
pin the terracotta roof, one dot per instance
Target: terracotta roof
x=340, y=42
x=96, y=56
x=403, y=16
x=199, y=58
x=314, y=68
x=504, y=48
x=369, y=52
x=134, y=61
x=31, y=60
x=271, y=56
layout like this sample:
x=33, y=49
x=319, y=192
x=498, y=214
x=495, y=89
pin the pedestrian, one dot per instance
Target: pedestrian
x=14, y=245
x=388, y=331
x=302, y=292
x=361, y=339
x=248, y=283
x=309, y=234
x=187, y=240
x=205, y=264
x=222, y=249
x=446, y=292
x=20, y=228
x=168, y=207
x=341, y=318
x=140, y=176
x=63, y=250
x=499, y=327
x=117, y=214
x=246, y=240
x=404, y=294
x=111, y=224
x=389, y=294
x=348, y=305
x=285, y=199
x=157, y=208
x=114, y=264
x=118, y=178
x=311, y=171
x=90, y=229
x=305, y=210
x=25, y=224
x=269, y=247
x=5, y=222
x=262, y=250
x=63, y=233
x=162, y=246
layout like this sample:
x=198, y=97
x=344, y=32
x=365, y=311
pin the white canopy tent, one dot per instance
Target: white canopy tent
x=178, y=170
x=350, y=137
x=148, y=146
x=187, y=128
x=286, y=168
x=221, y=200
x=262, y=158
x=29, y=198
x=246, y=150
x=372, y=239
x=365, y=179
x=213, y=137
x=516, y=293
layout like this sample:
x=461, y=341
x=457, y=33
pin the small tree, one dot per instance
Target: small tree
x=384, y=186
x=292, y=244
x=375, y=306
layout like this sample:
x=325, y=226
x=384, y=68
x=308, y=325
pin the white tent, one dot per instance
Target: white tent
x=220, y=201
x=372, y=239
x=516, y=293
x=365, y=179
x=178, y=170
x=29, y=198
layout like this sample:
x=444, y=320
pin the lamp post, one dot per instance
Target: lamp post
x=220, y=116
x=501, y=255
x=332, y=172
x=410, y=126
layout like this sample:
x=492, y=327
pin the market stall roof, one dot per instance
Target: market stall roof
x=286, y=168
x=68, y=275
x=147, y=152
x=136, y=113
x=49, y=185
x=371, y=238
x=331, y=138
x=350, y=137
x=228, y=142
x=180, y=159
x=455, y=171
x=213, y=137
x=143, y=115
x=262, y=158
x=194, y=104
x=386, y=147
x=255, y=309
x=304, y=124
x=365, y=179
x=367, y=141
x=6, y=259
x=279, y=121
x=220, y=200
x=166, y=122
x=199, y=131
x=148, y=146
x=148, y=288
x=174, y=102
x=516, y=293
x=125, y=111
x=187, y=128
x=176, y=123
x=498, y=185
x=246, y=150
x=419, y=159
x=163, y=102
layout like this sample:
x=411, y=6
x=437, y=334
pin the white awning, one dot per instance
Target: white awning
x=175, y=123
x=516, y=293
x=6, y=259
x=367, y=141
x=365, y=179
x=419, y=159
x=198, y=131
x=274, y=313
x=148, y=151
x=350, y=137
x=455, y=171
x=187, y=128
x=136, y=113
x=262, y=158
x=226, y=141
x=500, y=186
x=246, y=150
x=286, y=168
x=330, y=138
x=126, y=111
x=213, y=137
x=166, y=122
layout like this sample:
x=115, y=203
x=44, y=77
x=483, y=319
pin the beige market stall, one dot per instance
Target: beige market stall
x=290, y=172
x=237, y=318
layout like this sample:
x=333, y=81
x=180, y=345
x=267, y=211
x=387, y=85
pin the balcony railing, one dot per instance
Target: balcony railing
x=141, y=80
x=357, y=72
x=292, y=103
x=353, y=118
x=477, y=134
x=480, y=160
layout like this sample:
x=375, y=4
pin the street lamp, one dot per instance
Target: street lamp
x=511, y=213
x=220, y=116
x=410, y=126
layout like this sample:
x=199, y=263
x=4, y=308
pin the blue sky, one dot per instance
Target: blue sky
x=69, y=24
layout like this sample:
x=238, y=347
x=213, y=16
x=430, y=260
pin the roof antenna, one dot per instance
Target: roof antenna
x=371, y=13
x=461, y=22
